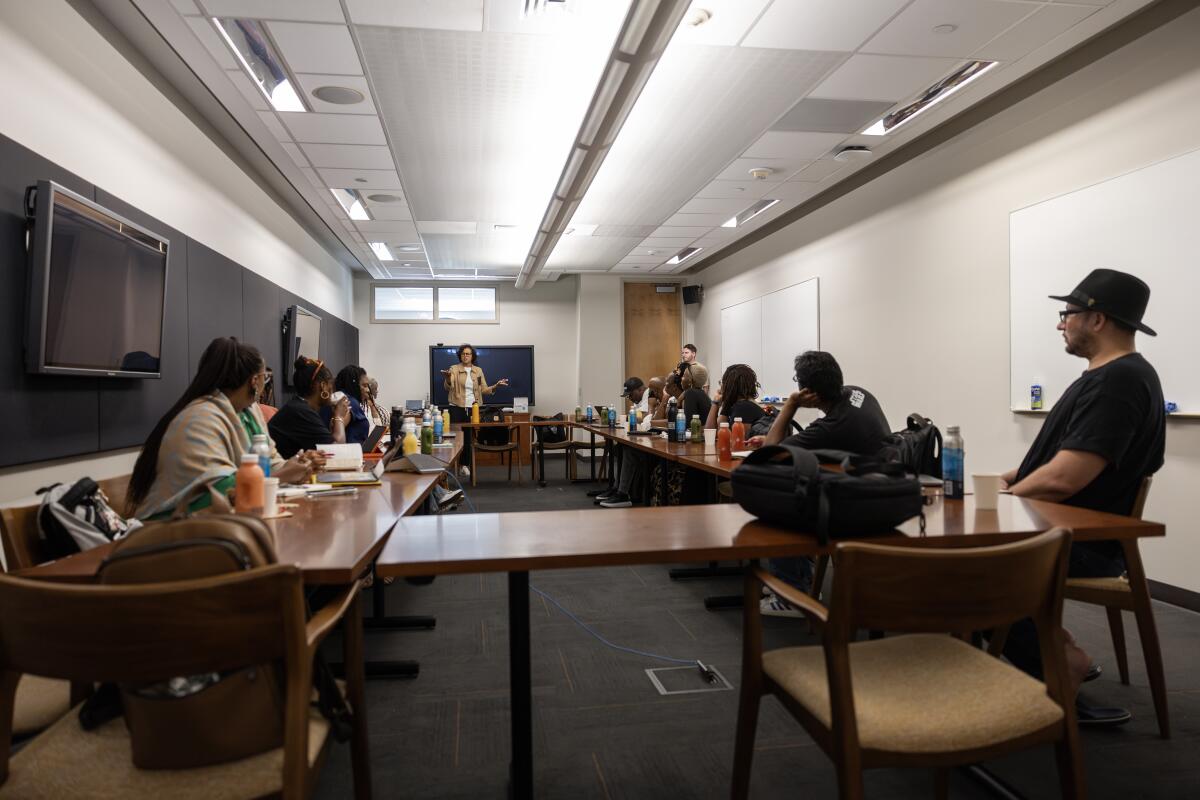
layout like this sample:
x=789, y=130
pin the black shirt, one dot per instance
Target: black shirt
x=748, y=410
x=695, y=402
x=1115, y=411
x=297, y=427
x=856, y=424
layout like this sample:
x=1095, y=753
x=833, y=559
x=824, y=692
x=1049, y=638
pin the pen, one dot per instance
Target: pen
x=333, y=492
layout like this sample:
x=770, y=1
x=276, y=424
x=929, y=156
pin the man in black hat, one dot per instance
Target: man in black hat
x=632, y=462
x=1100, y=441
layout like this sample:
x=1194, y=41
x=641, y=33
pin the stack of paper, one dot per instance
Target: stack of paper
x=342, y=456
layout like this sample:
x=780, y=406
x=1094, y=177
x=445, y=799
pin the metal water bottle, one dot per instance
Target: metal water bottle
x=952, y=464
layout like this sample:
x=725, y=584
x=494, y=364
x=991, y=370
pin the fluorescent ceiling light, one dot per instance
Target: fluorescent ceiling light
x=381, y=252
x=683, y=255
x=253, y=49
x=935, y=94
x=351, y=202
x=410, y=248
x=749, y=214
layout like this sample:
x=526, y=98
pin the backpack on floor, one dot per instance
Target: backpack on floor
x=78, y=517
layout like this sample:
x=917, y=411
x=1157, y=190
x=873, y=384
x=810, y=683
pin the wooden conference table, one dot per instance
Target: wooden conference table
x=517, y=543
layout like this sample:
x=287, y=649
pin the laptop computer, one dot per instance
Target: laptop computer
x=415, y=462
x=373, y=438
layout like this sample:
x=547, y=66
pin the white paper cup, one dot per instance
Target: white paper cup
x=987, y=490
x=270, y=488
x=710, y=438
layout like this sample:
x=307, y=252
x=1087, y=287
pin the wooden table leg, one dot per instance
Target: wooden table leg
x=521, y=689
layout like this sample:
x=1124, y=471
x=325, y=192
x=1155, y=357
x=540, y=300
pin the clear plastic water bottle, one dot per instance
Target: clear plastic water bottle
x=680, y=425
x=439, y=428
x=632, y=419
x=261, y=448
x=952, y=464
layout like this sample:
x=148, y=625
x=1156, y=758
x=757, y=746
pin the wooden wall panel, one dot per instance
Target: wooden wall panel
x=653, y=327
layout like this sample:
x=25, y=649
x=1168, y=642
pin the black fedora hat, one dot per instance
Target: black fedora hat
x=1117, y=294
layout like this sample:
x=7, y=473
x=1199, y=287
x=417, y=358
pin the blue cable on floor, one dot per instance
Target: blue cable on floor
x=584, y=625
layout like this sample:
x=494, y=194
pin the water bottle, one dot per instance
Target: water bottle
x=427, y=437
x=952, y=464
x=260, y=447
x=439, y=427
x=396, y=423
x=612, y=416
x=680, y=424
x=590, y=413
x=672, y=410
x=632, y=419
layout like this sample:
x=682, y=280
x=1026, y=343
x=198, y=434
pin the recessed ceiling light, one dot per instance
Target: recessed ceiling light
x=255, y=52
x=351, y=203
x=410, y=248
x=499, y=227
x=749, y=214
x=683, y=255
x=407, y=265
x=760, y=173
x=854, y=152
x=385, y=198
x=381, y=252
x=360, y=180
x=930, y=97
x=944, y=29
x=651, y=252
x=339, y=95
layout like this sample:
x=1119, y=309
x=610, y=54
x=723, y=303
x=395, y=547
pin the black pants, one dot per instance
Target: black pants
x=1087, y=560
x=460, y=415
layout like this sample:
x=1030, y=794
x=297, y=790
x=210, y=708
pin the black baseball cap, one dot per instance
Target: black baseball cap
x=1118, y=294
x=631, y=385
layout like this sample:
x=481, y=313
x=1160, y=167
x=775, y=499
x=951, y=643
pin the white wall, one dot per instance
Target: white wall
x=914, y=266
x=397, y=354
x=68, y=95
x=601, y=339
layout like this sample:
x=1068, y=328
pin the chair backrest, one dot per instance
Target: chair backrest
x=919, y=589
x=23, y=547
x=1139, y=502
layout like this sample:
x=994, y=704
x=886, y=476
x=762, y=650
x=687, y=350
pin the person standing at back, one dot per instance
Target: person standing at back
x=1100, y=441
x=466, y=386
x=688, y=365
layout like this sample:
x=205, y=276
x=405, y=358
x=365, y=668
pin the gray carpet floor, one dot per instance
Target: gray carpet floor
x=601, y=729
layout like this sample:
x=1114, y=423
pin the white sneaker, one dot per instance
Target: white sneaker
x=464, y=472
x=450, y=498
x=773, y=606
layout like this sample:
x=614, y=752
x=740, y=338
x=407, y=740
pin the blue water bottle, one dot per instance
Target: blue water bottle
x=680, y=425
x=589, y=414
x=612, y=416
x=632, y=419
x=952, y=464
x=437, y=428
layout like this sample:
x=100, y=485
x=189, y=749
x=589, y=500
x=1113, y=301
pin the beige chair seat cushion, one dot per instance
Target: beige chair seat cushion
x=40, y=701
x=1119, y=584
x=923, y=693
x=69, y=762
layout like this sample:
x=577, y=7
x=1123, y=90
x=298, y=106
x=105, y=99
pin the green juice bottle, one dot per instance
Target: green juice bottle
x=427, y=437
x=696, y=429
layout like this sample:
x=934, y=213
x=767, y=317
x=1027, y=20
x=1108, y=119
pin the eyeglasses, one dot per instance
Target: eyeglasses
x=1062, y=315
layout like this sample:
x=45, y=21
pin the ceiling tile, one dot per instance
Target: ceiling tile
x=316, y=49
x=208, y=37
x=647, y=259
x=820, y=24
x=664, y=243
x=696, y=220
x=390, y=211
x=308, y=83
x=633, y=231
x=781, y=168
x=911, y=33
x=247, y=89
x=1033, y=32
x=444, y=227
x=460, y=15
x=797, y=190
x=573, y=252
x=818, y=170
x=387, y=228
x=348, y=156
x=682, y=232
x=745, y=190
x=185, y=6
x=313, y=178
x=893, y=78
x=583, y=16
x=294, y=152
x=831, y=116
x=726, y=207
x=300, y=10
x=273, y=125
x=382, y=179
x=333, y=128
x=730, y=20
x=793, y=144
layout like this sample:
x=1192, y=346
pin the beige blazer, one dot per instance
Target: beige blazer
x=456, y=385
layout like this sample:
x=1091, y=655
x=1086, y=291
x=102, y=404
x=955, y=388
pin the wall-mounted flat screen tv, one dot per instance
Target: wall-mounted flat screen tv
x=302, y=337
x=97, y=287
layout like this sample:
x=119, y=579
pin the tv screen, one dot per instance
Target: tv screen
x=303, y=337
x=514, y=362
x=97, y=285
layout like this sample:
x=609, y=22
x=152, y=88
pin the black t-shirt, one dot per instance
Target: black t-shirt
x=748, y=410
x=297, y=427
x=856, y=424
x=693, y=402
x=1115, y=411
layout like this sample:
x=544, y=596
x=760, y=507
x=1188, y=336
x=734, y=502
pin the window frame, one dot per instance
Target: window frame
x=436, y=287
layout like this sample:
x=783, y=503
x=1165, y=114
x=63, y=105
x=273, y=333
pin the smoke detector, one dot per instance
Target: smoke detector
x=854, y=152
x=697, y=17
x=760, y=173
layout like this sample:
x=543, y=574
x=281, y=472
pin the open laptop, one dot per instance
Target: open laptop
x=373, y=438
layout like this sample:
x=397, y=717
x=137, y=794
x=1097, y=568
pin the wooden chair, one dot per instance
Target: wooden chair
x=568, y=446
x=509, y=450
x=926, y=698
x=23, y=546
x=1130, y=592
x=147, y=632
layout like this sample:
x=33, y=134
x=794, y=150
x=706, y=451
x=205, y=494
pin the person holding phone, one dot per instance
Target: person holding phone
x=465, y=386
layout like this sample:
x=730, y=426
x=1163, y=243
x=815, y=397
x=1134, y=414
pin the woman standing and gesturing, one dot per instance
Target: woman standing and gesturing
x=465, y=386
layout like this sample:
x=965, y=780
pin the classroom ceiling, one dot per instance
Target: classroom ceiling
x=469, y=110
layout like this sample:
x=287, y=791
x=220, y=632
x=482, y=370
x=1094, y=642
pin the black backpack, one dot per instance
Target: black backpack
x=918, y=447
x=491, y=436
x=786, y=486
x=550, y=434
x=762, y=425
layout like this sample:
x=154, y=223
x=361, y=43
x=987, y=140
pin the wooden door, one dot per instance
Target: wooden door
x=653, y=327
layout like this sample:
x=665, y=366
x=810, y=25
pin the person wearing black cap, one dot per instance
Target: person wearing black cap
x=1102, y=438
x=632, y=463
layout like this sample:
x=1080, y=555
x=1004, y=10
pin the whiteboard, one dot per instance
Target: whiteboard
x=1146, y=223
x=768, y=332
